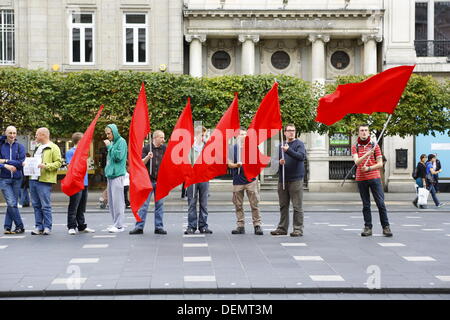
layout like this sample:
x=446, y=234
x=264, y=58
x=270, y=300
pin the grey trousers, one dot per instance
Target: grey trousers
x=293, y=192
x=116, y=201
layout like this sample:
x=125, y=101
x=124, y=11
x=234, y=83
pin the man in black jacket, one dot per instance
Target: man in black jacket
x=292, y=156
x=155, y=153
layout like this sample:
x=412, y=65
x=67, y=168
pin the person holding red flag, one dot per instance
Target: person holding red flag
x=240, y=185
x=198, y=192
x=151, y=157
x=369, y=160
x=77, y=202
x=212, y=162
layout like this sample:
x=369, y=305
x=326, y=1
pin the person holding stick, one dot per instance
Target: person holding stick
x=152, y=154
x=291, y=157
x=369, y=159
x=241, y=185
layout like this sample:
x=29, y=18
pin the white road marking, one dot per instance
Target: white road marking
x=197, y=259
x=84, y=260
x=293, y=244
x=195, y=245
x=419, y=259
x=199, y=278
x=95, y=246
x=308, y=258
x=326, y=278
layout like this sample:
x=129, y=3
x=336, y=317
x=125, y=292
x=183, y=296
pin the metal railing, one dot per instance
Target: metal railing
x=432, y=48
x=338, y=170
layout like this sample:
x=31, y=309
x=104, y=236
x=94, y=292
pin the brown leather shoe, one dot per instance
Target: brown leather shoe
x=278, y=232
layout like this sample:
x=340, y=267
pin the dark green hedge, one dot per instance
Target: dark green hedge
x=67, y=102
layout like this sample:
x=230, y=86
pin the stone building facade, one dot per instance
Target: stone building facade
x=316, y=40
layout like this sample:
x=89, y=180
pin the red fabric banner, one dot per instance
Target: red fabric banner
x=175, y=166
x=140, y=184
x=265, y=124
x=73, y=182
x=212, y=161
x=379, y=93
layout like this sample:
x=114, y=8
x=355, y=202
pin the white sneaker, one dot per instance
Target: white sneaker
x=87, y=230
x=46, y=232
x=116, y=230
x=19, y=206
x=72, y=232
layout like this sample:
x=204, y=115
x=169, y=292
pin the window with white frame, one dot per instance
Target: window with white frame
x=7, y=41
x=135, y=39
x=82, y=39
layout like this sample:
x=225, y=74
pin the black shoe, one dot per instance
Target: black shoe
x=366, y=232
x=189, y=231
x=136, y=231
x=25, y=205
x=387, y=231
x=258, y=231
x=415, y=204
x=19, y=230
x=205, y=230
x=160, y=231
x=238, y=230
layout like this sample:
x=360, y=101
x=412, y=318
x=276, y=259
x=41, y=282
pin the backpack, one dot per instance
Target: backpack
x=414, y=173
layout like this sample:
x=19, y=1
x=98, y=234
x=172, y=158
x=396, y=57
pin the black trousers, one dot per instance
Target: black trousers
x=76, y=210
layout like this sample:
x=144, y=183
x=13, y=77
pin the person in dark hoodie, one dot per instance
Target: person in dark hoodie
x=292, y=156
x=12, y=155
x=115, y=171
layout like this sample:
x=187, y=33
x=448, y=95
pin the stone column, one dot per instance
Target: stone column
x=248, y=53
x=370, y=53
x=195, y=54
x=318, y=56
x=430, y=28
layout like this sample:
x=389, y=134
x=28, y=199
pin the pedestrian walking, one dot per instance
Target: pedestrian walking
x=115, y=171
x=420, y=175
x=430, y=180
x=241, y=185
x=41, y=185
x=12, y=155
x=77, y=202
x=152, y=156
x=291, y=155
x=369, y=159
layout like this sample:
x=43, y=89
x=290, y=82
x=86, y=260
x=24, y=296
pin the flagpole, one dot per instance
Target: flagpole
x=151, y=150
x=282, y=158
x=376, y=143
x=239, y=153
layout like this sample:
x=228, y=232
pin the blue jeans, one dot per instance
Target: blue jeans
x=201, y=191
x=24, y=196
x=375, y=186
x=10, y=189
x=432, y=189
x=159, y=211
x=41, y=200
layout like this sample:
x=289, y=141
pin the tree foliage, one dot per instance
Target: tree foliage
x=67, y=102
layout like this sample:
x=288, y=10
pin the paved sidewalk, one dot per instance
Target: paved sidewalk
x=330, y=258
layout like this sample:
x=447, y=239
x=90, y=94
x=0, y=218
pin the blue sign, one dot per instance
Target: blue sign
x=439, y=145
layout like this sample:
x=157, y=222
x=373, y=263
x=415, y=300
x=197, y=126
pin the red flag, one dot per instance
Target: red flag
x=175, y=165
x=379, y=93
x=140, y=185
x=73, y=182
x=212, y=161
x=265, y=124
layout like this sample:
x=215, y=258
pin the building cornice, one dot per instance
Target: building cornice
x=242, y=13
